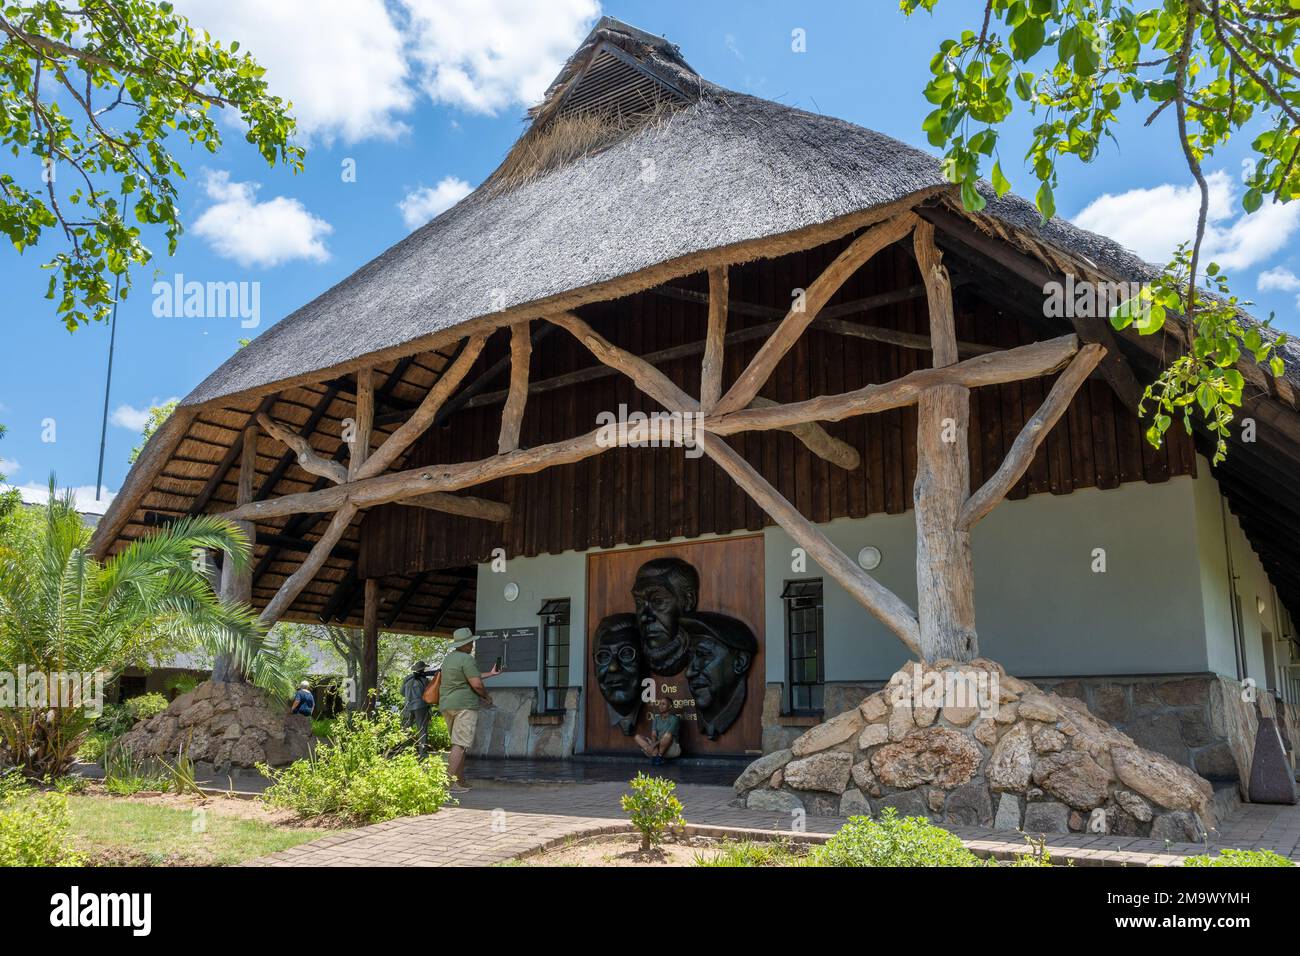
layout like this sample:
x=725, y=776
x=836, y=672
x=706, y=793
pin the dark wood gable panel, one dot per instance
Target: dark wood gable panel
x=635, y=495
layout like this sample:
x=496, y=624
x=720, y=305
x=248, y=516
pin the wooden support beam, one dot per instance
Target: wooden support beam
x=945, y=568
x=308, y=460
x=237, y=581
x=463, y=505
x=645, y=376
x=294, y=584
x=382, y=489
x=865, y=589
x=305, y=432
x=1024, y=361
x=370, y=642
x=363, y=420
x=423, y=416
x=512, y=415
x=711, y=370
x=465, y=398
x=818, y=440
x=448, y=602
x=1031, y=436
x=800, y=316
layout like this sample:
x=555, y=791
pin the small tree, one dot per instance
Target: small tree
x=1211, y=68
x=653, y=807
x=92, y=92
x=63, y=612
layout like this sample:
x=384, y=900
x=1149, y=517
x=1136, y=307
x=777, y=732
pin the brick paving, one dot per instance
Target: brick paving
x=497, y=822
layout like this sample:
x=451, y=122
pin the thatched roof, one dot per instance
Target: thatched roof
x=607, y=194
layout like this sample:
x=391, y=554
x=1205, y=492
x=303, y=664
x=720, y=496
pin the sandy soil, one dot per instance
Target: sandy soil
x=625, y=850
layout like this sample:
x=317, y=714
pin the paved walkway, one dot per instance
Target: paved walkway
x=497, y=822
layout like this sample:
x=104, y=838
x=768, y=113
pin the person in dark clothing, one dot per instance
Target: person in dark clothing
x=303, y=702
x=415, y=712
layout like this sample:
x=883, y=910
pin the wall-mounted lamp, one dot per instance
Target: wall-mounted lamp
x=869, y=558
x=512, y=591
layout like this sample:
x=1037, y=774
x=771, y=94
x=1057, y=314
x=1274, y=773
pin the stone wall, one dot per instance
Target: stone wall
x=1020, y=759
x=509, y=728
x=1202, y=721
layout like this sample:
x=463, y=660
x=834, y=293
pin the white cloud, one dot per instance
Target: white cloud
x=485, y=55
x=1280, y=279
x=340, y=62
x=8, y=466
x=254, y=233
x=134, y=419
x=84, y=496
x=354, y=68
x=1153, y=221
x=421, y=205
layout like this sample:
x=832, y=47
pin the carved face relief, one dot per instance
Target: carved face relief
x=665, y=589
x=722, y=650
x=619, y=662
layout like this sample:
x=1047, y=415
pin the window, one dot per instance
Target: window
x=555, y=654
x=803, y=643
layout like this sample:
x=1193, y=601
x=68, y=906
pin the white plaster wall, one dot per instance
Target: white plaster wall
x=1040, y=609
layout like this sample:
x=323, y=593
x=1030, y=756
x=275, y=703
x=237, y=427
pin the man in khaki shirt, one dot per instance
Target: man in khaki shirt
x=459, y=698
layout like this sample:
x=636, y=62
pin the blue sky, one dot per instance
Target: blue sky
x=423, y=98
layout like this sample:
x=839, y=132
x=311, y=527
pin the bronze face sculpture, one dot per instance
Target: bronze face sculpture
x=665, y=590
x=722, y=650
x=620, y=665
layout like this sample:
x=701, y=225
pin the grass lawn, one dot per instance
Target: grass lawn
x=173, y=831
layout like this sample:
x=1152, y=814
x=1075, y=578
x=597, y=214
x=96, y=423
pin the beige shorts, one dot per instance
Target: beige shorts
x=461, y=724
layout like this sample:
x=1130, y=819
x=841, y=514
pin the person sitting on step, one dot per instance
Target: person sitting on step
x=665, y=728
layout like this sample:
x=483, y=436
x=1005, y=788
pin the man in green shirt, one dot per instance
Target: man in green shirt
x=459, y=698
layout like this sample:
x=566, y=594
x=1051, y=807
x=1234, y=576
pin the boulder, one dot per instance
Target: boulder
x=826, y=735
x=1074, y=778
x=1012, y=762
x=1008, y=815
x=779, y=800
x=226, y=725
x=1048, y=817
x=937, y=755
x=1162, y=781
x=854, y=804
x=761, y=769
x=827, y=771
x=969, y=805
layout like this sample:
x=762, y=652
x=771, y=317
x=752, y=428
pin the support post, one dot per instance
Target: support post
x=512, y=415
x=237, y=585
x=370, y=642
x=945, y=570
x=363, y=423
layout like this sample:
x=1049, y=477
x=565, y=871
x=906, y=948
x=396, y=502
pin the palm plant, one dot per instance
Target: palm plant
x=63, y=612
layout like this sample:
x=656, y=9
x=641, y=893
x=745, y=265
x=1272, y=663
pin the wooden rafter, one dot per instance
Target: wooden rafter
x=363, y=422
x=512, y=415
x=711, y=369
x=799, y=317
x=308, y=460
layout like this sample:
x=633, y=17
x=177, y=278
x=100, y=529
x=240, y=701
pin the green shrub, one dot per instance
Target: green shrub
x=114, y=721
x=125, y=774
x=365, y=771
x=653, y=807
x=752, y=854
x=34, y=831
x=94, y=747
x=1239, y=858
x=145, y=706
x=439, y=735
x=13, y=783
x=892, y=841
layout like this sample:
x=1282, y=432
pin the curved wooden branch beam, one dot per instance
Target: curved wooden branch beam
x=423, y=416
x=300, y=578
x=817, y=295
x=363, y=422
x=463, y=505
x=1025, y=361
x=308, y=459
x=715, y=338
x=512, y=416
x=1031, y=437
x=866, y=590
x=400, y=485
x=818, y=440
x=645, y=376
